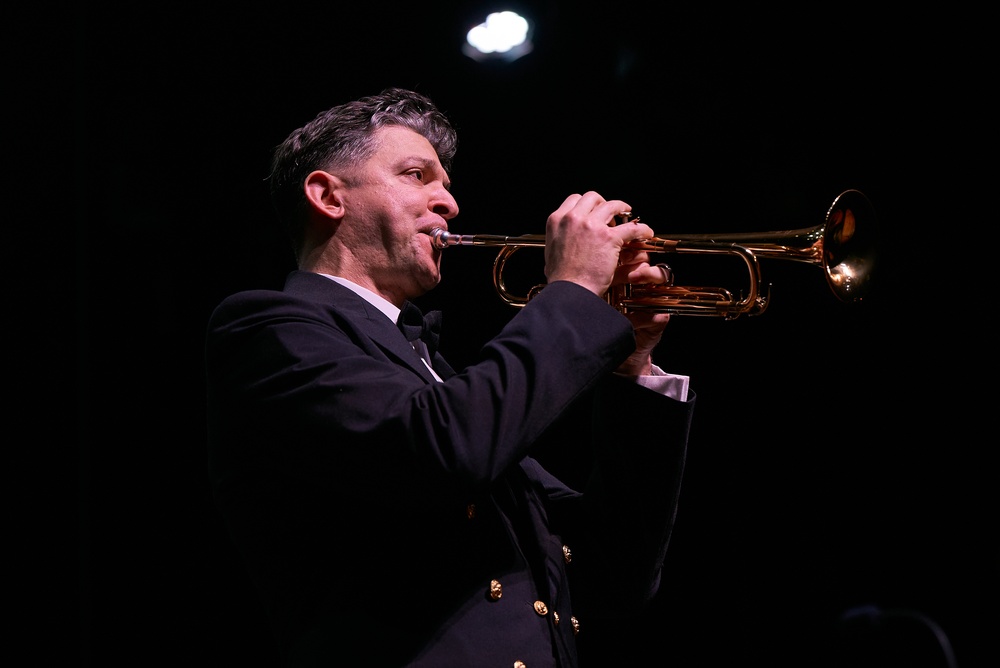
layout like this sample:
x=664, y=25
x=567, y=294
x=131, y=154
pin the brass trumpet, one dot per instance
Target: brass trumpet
x=844, y=246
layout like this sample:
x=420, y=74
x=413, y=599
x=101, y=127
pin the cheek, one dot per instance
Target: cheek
x=432, y=260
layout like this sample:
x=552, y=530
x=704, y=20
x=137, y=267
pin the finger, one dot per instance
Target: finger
x=633, y=256
x=632, y=272
x=591, y=202
x=605, y=209
x=567, y=205
x=586, y=209
x=621, y=215
x=648, y=320
x=658, y=274
x=634, y=231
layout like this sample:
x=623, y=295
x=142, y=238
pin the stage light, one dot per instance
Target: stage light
x=503, y=35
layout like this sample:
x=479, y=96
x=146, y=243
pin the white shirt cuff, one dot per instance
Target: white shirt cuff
x=672, y=385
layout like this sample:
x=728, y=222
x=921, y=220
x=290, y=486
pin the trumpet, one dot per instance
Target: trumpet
x=844, y=246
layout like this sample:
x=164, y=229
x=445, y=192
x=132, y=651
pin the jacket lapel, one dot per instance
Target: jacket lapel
x=359, y=315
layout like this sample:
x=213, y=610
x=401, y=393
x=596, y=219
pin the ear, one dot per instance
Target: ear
x=325, y=194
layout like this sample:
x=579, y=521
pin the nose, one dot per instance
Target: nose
x=444, y=204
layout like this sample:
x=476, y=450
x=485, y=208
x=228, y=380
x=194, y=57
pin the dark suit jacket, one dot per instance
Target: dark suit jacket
x=380, y=512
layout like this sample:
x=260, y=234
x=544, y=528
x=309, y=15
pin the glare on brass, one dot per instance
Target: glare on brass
x=844, y=246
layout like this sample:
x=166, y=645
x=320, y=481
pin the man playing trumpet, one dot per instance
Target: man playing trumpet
x=392, y=510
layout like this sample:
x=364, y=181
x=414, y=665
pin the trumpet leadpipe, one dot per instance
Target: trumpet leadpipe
x=443, y=239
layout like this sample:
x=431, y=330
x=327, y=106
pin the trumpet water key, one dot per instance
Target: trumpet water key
x=844, y=246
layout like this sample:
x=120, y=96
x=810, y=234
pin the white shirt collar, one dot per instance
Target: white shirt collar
x=391, y=310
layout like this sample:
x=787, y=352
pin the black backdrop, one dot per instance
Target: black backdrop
x=840, y=456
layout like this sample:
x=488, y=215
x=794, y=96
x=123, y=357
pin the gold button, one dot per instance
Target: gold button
x=567, y=554
x=470, y=511
x=576, y=625
x=541, y=608
x=520, y=664
x=555, y=618
x=496, y=590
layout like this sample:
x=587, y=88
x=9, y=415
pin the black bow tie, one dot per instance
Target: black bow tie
x=415, y=325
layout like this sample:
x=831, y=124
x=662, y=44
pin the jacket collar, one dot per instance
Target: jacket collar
x=359, y=314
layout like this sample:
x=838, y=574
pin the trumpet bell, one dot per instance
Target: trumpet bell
x=850, y=246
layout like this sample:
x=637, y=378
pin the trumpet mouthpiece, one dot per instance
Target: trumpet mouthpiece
x=440, y=238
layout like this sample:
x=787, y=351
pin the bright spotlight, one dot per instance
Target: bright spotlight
x=503, y=35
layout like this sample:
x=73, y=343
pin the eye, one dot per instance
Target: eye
x=418, y=174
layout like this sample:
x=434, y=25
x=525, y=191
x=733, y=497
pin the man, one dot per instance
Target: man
x=393, y=511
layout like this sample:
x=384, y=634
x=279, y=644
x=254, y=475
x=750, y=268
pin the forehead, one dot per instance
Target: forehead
x=398, y=143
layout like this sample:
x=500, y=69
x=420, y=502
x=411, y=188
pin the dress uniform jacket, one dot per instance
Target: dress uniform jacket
x=388, y=519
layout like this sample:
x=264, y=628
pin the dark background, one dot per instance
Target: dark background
x=841, y=455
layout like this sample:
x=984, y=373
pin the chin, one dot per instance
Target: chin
x=429, y=280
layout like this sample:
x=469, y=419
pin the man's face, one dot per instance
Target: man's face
x=394, y=200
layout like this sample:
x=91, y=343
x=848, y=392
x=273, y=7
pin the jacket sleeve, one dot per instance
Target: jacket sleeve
x=290, y=373
x=622, y=452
